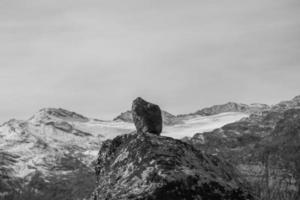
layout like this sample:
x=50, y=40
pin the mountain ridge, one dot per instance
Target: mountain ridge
x=170, y=119
x=54, y=143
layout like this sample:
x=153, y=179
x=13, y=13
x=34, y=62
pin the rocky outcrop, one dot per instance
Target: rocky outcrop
x=146, y=166
x=150, y=167
x=146, y=116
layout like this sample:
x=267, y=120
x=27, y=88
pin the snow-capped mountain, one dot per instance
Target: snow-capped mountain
x=50, y=134
x=56, y=143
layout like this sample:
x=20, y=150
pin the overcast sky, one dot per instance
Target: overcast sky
x=95, y=57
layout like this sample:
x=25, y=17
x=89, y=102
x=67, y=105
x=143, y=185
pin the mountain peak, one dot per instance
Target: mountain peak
x=46, y=114
x=232, y=107
x=296, y=98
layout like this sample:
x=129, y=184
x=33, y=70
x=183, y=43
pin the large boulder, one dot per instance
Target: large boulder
x=146, y=116
x=145, y=166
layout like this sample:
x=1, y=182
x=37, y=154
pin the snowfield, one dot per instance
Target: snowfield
x=200, y=124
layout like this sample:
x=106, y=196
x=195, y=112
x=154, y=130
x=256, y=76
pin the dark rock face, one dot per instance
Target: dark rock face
x=282, y=148
x=8, y=184
x=146, y=116
x=149, y=167
x=264, y=148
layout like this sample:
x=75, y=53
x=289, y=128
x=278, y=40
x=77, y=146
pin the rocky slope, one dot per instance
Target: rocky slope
x=144, y=165
x=244, y=143
x=282, y=151
x=50, y=135
x=53, y=147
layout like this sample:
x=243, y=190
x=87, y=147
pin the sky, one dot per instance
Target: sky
x=94, y=57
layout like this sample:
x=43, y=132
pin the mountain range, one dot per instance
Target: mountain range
x=56, y=150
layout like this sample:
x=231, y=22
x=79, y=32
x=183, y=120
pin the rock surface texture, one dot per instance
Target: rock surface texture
x=264, y=147
x=146, y=116
x=149, y=167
